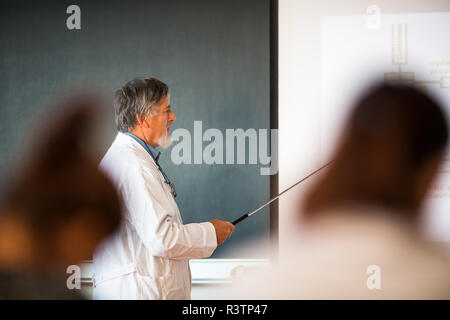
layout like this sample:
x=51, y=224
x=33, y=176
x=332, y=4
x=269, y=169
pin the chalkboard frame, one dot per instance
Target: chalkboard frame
x=274, y=186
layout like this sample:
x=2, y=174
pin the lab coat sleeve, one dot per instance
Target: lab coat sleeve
x=156, y=222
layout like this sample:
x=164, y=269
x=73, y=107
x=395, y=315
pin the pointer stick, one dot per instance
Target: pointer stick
x=245, y=216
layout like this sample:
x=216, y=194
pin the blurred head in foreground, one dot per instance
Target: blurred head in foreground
x=359, y=238
x=390, y=150
x=58, y=206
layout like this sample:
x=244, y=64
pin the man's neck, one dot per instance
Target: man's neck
x=138, y=132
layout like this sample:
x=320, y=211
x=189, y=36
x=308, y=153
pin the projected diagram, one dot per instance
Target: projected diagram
x=409, y=48
x=400, y=58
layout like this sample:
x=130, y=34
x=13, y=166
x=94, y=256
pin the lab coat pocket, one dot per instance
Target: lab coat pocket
x=114, y=273
x=150, y=287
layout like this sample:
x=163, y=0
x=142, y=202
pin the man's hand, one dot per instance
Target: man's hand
x=223, y=230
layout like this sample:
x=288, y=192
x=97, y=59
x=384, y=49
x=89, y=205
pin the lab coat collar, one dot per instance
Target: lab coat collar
x=152, y=151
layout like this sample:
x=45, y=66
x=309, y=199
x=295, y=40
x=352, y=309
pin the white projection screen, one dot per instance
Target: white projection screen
x=329, y=52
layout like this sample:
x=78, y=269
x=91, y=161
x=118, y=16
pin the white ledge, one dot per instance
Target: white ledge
x=204, y=271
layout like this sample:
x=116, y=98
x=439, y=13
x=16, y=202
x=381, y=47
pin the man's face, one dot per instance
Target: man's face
x=159, y=125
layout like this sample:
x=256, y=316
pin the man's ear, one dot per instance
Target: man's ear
x=142, y=121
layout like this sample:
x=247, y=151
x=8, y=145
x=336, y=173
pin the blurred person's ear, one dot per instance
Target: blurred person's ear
x=425, y=176
x=16, y=243
x=78, y=237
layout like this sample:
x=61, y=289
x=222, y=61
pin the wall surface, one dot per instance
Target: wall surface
x=300, y=90
x=214, y=55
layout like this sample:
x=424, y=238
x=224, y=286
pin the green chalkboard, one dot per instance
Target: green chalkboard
x=213, y=54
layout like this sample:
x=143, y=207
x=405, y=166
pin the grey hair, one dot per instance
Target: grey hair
x=136, y=98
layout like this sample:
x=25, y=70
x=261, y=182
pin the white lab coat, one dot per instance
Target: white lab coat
x=149, y=257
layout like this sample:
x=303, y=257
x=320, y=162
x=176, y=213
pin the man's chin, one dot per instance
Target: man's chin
x=165, y=141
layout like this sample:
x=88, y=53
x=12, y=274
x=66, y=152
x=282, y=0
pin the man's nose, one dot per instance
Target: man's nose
x=172, y=116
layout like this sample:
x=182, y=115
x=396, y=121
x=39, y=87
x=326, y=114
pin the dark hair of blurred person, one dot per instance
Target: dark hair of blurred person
x=390, y=151
x=55, y=210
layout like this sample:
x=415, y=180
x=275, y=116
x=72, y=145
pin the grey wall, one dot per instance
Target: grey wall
x=213, y=54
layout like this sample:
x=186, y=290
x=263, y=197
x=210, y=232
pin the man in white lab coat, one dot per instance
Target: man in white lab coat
x=149, y=257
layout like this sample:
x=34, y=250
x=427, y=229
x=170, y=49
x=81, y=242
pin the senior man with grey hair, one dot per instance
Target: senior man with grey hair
x=149, y=257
